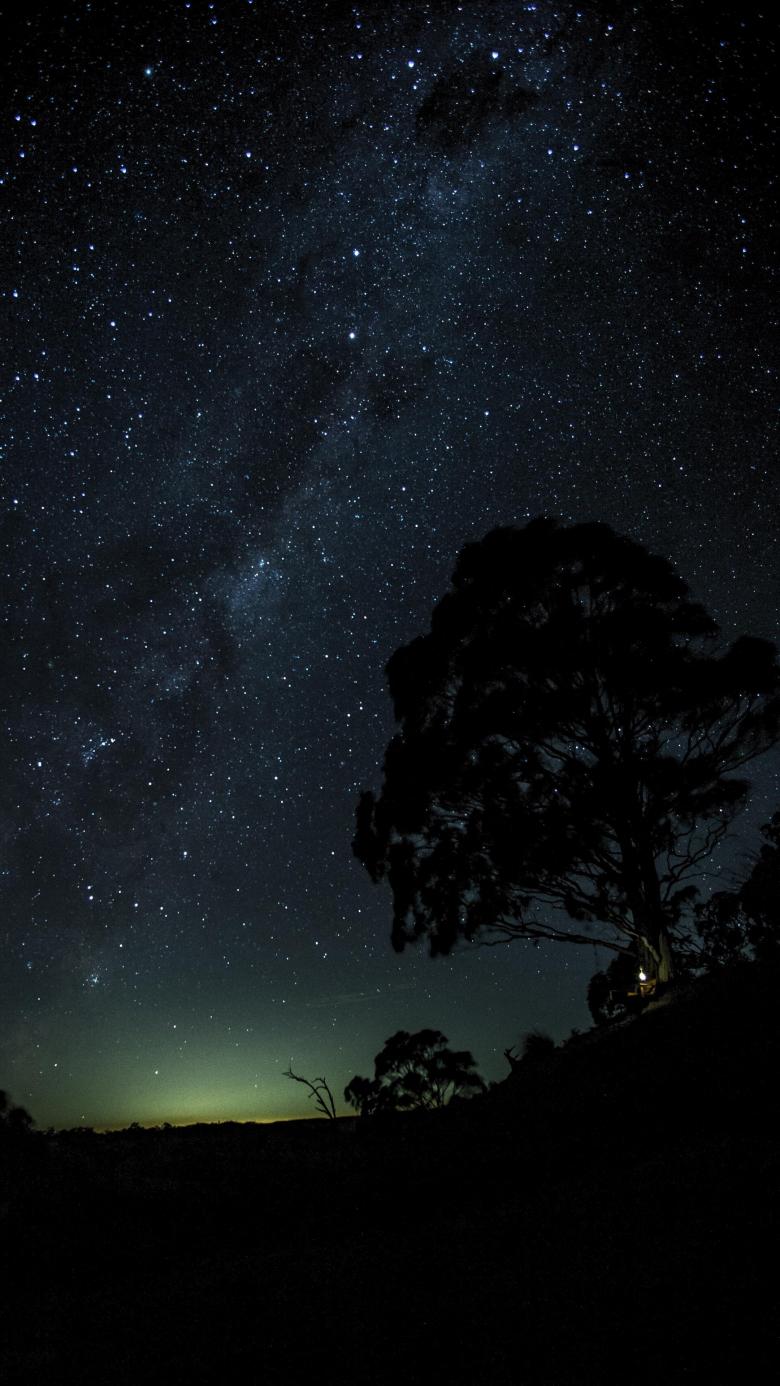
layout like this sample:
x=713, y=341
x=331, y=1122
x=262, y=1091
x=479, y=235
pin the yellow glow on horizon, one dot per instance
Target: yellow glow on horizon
x=180, y=1122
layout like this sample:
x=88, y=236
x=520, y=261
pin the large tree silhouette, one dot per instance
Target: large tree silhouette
x=414, y=1070
x=571, y=748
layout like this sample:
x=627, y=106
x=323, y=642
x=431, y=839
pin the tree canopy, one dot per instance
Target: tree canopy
x=414, y=1070
x=745, y=922
x=571, y=748
x=14, y=1120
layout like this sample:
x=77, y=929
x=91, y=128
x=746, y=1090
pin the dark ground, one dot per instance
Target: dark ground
x=608, y=1215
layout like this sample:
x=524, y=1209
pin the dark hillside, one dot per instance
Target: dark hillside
x=700, y=1060
x=609, y=1213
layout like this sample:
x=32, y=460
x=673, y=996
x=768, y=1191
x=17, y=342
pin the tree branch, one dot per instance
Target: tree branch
x=319, y=1090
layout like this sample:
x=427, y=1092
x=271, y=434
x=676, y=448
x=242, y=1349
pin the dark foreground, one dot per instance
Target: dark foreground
x=609, y=1215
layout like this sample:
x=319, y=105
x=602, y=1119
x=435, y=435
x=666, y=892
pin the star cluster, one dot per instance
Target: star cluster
x=297, y=299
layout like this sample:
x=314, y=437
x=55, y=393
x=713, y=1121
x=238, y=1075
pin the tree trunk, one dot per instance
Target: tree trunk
x=656, y=945
x=665, y=959
x=655, y=957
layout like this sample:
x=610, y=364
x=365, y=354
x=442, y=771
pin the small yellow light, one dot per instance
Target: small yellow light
x=642, y=975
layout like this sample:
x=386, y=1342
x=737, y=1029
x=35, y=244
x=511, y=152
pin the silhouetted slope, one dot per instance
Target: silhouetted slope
x=606, y=1215
x=704, y=1058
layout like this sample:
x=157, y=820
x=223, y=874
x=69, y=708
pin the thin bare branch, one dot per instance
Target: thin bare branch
x=319, y=1090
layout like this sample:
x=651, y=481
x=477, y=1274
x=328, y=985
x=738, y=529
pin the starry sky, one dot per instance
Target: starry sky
x=297, y=298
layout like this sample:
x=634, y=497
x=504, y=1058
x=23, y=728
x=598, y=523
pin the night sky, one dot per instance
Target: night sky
x=297, y=298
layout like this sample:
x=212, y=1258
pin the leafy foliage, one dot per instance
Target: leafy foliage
x=608, y=990
x=414, y=1070
x=570, y=748
x=535, y=1046
x=745, y=923
x=14, y=1120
